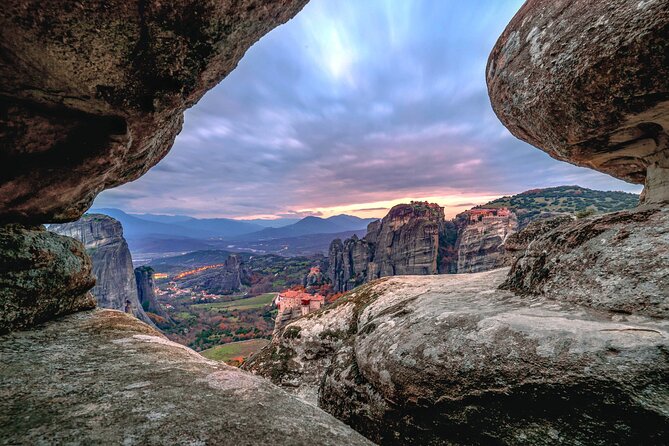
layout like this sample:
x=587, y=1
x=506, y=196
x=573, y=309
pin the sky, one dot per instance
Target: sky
x=351, y=107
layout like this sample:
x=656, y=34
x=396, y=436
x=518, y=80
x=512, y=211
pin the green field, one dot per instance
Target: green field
x=233, y=351
x=239, y=304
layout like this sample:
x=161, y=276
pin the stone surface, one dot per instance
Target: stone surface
x=405, y=241
x=103, y=377
x=146, y=292
x=516, y=243
x=480, y=245
x=616, y=261
x=587, y=81
x=449, y=360
x=115, y=284
x=42, y=275
x=92, y=93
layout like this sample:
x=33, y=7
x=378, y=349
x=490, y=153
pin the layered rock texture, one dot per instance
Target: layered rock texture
x=588, y=83
x=406, y=241
x=480, y=245
x=42, y=275
x=103, y=377
x=450, y=360
x=617, y=262
x=93, y=93
x=146, y=291
x=516, y=243
x=115, y=285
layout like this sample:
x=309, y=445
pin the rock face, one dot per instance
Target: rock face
x=516, y=243
x=58, y=381
x=224, y=280
x=480, y=245
x=615, y=262
x=146, y=291
x=406, y=241
x=519, y=241
x=42, y=275
x=588, y=83
x=115, y=284
x=450, y=360
x=314, y=278
x=93, y=93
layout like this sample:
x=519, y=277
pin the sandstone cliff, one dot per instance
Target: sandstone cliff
x=115, y=283
x=406, y=241
x=146, y=292
x=616, y=262
x=480, y=245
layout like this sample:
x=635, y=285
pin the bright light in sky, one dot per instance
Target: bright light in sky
x=353, y=106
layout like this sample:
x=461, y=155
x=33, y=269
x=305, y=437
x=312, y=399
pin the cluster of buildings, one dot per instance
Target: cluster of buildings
x=293, y=304
x=482, y=215
x=173, y=290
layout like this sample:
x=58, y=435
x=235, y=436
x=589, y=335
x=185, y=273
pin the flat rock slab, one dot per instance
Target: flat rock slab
x=451, y=359
x=103, y=377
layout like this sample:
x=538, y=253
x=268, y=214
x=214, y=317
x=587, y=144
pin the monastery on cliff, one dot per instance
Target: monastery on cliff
x=293, y=304
x=481, y=215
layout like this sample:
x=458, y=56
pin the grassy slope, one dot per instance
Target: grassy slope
x=567, y=199
x=239, y=304
x=564, y=199
x=234, y=350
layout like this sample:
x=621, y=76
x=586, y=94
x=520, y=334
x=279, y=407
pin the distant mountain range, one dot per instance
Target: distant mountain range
x=309, y=226
x=144, y=225
x=171, y=233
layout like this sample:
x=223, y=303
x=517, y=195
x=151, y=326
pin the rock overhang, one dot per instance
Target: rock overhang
x=92, y=94
x=588, y=83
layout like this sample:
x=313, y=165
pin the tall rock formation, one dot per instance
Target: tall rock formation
x=146, y=291
x=115, y=283
x=406, y=241
x=480, y=244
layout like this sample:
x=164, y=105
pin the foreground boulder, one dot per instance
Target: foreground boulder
x=115, y=285
x=42, y=275
x=588, y=83
x=617, y=262
x=93, y=93
x=103, y=377
x=450, y=360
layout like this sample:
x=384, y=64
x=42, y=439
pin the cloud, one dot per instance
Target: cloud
x=350, y=103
